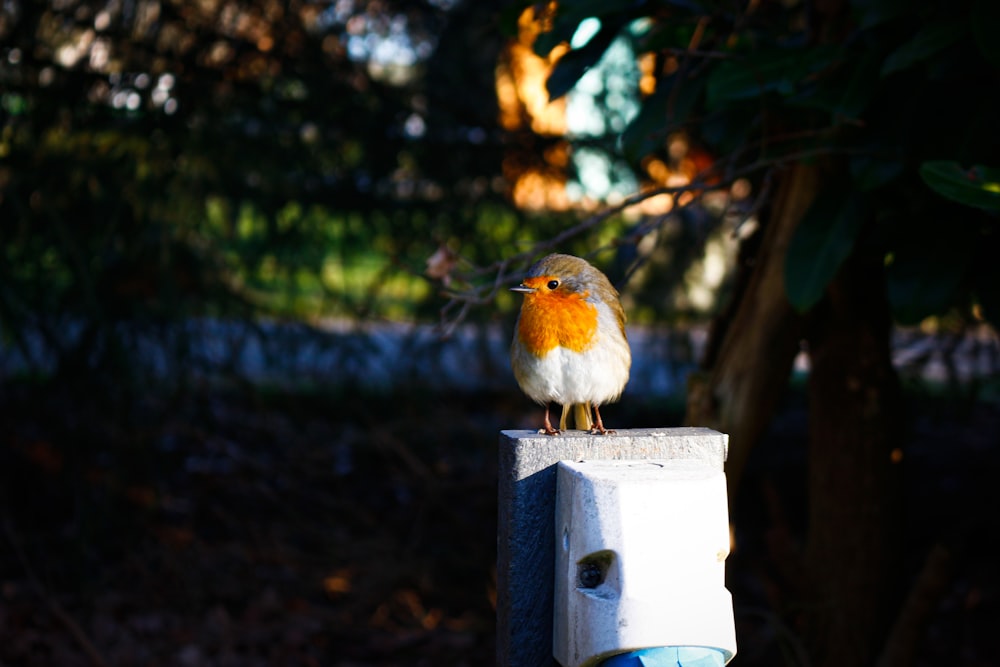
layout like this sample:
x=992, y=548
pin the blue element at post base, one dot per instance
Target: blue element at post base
x=668, y=656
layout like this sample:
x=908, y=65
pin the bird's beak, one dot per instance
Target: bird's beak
x=524, y=289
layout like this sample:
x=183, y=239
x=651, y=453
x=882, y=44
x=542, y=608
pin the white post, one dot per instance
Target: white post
x=526, y=523
x=640, y=564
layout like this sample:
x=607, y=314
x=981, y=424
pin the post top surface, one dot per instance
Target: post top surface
x=626, y=433
x=530, y=451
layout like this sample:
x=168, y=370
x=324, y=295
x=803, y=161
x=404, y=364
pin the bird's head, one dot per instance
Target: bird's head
x=563, y=276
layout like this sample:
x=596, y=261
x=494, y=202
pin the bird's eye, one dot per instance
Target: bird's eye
x=553, y=284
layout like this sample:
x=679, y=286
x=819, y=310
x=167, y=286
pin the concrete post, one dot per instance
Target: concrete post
x=526, y=521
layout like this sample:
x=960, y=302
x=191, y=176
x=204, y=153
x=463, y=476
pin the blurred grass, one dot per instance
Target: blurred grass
x=309, y=262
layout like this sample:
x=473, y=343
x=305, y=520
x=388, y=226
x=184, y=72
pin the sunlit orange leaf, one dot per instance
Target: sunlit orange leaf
x=338, y=583
x=45, y=456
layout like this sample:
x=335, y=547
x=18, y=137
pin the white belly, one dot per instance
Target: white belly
x=597, y=375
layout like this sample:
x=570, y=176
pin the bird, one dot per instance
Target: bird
x=569, y=342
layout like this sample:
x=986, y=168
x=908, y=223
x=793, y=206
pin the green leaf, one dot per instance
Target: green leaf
x=661, y=113
x=870, y=173
x=509, y=15
x=776, y=70
x=820, y=244
x=860, y=88
x=927, y=42
x=844, y=89
x=726, y=129
x=673, y=34
x=871, y=13
x=978, y=186
x=574, y=64
x=925, y=274
x=985, y=19
x=562, y=31
x=569, y=16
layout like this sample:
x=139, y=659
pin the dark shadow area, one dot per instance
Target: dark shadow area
x=226, y=526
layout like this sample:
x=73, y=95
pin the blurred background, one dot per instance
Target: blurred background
x=254, y=318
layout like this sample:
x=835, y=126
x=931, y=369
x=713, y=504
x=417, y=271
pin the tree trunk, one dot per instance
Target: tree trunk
x=848, y=587
x=852, y=548
x=752, y=351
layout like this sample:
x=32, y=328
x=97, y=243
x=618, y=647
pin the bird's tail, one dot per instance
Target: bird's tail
x=581, y=416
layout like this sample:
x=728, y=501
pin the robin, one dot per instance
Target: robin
x=569, y=342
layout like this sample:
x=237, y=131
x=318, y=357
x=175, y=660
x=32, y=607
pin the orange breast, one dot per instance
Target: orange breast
x=550, y=319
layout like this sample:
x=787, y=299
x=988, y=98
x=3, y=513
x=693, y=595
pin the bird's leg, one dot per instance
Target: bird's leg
x=599, y=425
x=548, y=430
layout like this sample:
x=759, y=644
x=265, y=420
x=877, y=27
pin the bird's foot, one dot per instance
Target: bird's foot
x=548, y=430
x=598, y=428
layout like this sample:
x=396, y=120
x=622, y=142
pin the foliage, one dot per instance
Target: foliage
x=161, y=160
x=892, y=98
